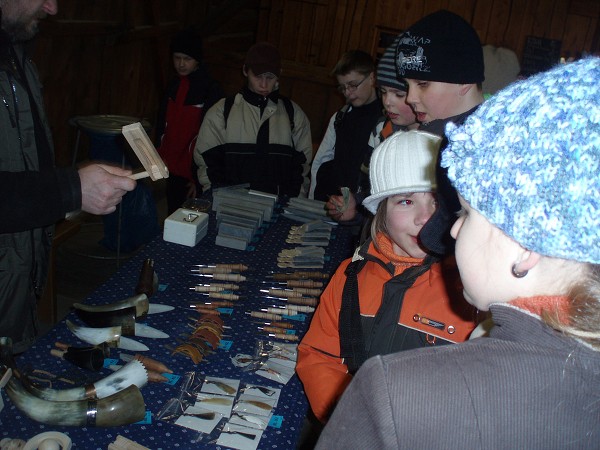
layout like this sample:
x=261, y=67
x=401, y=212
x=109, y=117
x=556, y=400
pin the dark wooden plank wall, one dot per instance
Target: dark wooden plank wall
x=111, y=56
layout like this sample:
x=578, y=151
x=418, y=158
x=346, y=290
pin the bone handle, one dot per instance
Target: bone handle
x=308, y=291
x=305, y=283
x=287, y=337
x=307, y=301
x=139, y=175
x=284, y=293
x=264, y=315
x=57, y=353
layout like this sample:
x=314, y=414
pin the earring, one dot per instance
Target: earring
x=516, y=273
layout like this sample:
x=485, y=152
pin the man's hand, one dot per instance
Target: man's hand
x=103, y=187
x=336, y=210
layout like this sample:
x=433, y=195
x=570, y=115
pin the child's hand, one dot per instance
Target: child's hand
x=341, y=208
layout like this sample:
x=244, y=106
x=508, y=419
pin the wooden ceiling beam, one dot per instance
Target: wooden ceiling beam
x=219, y=16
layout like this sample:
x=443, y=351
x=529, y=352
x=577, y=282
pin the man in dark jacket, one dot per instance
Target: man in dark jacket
x=35, y=194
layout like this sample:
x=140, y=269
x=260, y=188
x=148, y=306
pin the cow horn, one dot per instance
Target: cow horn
x=133, y=372
x=122, y=408
x=140, y=301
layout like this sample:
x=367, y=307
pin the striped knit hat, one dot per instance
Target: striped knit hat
x=529, y=161
x=386, y=69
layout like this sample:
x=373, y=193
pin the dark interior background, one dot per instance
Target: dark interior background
x=112, y=56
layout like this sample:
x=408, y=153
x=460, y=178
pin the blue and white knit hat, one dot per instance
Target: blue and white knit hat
x=529, y=161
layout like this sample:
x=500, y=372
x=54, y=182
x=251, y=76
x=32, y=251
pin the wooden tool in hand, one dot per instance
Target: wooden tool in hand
x=146, y=152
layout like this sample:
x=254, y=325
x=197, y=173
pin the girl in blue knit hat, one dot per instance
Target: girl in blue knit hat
x=526, y=166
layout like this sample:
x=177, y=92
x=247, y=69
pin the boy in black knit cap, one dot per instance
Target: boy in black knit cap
x=188, y=96
x=441, y=59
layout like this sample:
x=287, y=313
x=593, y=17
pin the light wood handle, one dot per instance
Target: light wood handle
x=139, y=175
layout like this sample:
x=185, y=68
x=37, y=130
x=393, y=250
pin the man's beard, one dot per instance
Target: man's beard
x=19, y=32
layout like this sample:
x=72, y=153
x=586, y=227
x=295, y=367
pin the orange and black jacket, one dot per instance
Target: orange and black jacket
x=395, y=307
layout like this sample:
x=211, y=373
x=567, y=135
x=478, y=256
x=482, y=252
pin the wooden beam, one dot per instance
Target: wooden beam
x=219, y=16
x=79, y=27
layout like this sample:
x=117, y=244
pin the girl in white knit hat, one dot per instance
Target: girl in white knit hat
x=391, y=295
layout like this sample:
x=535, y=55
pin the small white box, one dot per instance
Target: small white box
x=185, y=227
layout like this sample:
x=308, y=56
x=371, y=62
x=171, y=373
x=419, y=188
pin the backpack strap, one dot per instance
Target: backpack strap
x=339, y=116
x=381, y=342
x=227, y=107
x=289, y=107
x=352, y=345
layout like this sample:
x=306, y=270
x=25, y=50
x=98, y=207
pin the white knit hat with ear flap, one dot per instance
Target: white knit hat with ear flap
x=403, y=163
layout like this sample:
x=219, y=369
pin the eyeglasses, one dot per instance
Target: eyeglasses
x=352, y=86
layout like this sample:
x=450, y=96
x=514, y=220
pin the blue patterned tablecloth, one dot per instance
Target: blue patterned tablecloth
x=172, y=263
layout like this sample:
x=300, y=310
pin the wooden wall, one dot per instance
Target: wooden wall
x=111, y=56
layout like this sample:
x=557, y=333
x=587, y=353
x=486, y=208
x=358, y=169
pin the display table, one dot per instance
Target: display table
x=172, y=263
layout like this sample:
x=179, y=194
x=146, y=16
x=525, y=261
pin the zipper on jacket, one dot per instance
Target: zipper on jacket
x=14, y=117
x=12, y=113
x=13, y=87
x=13, y=121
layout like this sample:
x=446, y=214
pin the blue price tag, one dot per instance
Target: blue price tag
x=172, y=379
x=228, y=311
x=225, y=345
x=276, y=421
x=146, y=420
x=162, y=287
x=110, y=362
x=296, y=317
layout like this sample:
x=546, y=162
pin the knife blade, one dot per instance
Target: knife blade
x=157, y=308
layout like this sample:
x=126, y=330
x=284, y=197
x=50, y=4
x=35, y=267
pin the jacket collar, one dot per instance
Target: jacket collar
x=515, y=322
x=385, y=257
x=258, y=100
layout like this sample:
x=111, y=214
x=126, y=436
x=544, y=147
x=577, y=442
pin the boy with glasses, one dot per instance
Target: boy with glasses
x=342, y=151
x=397, y=116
